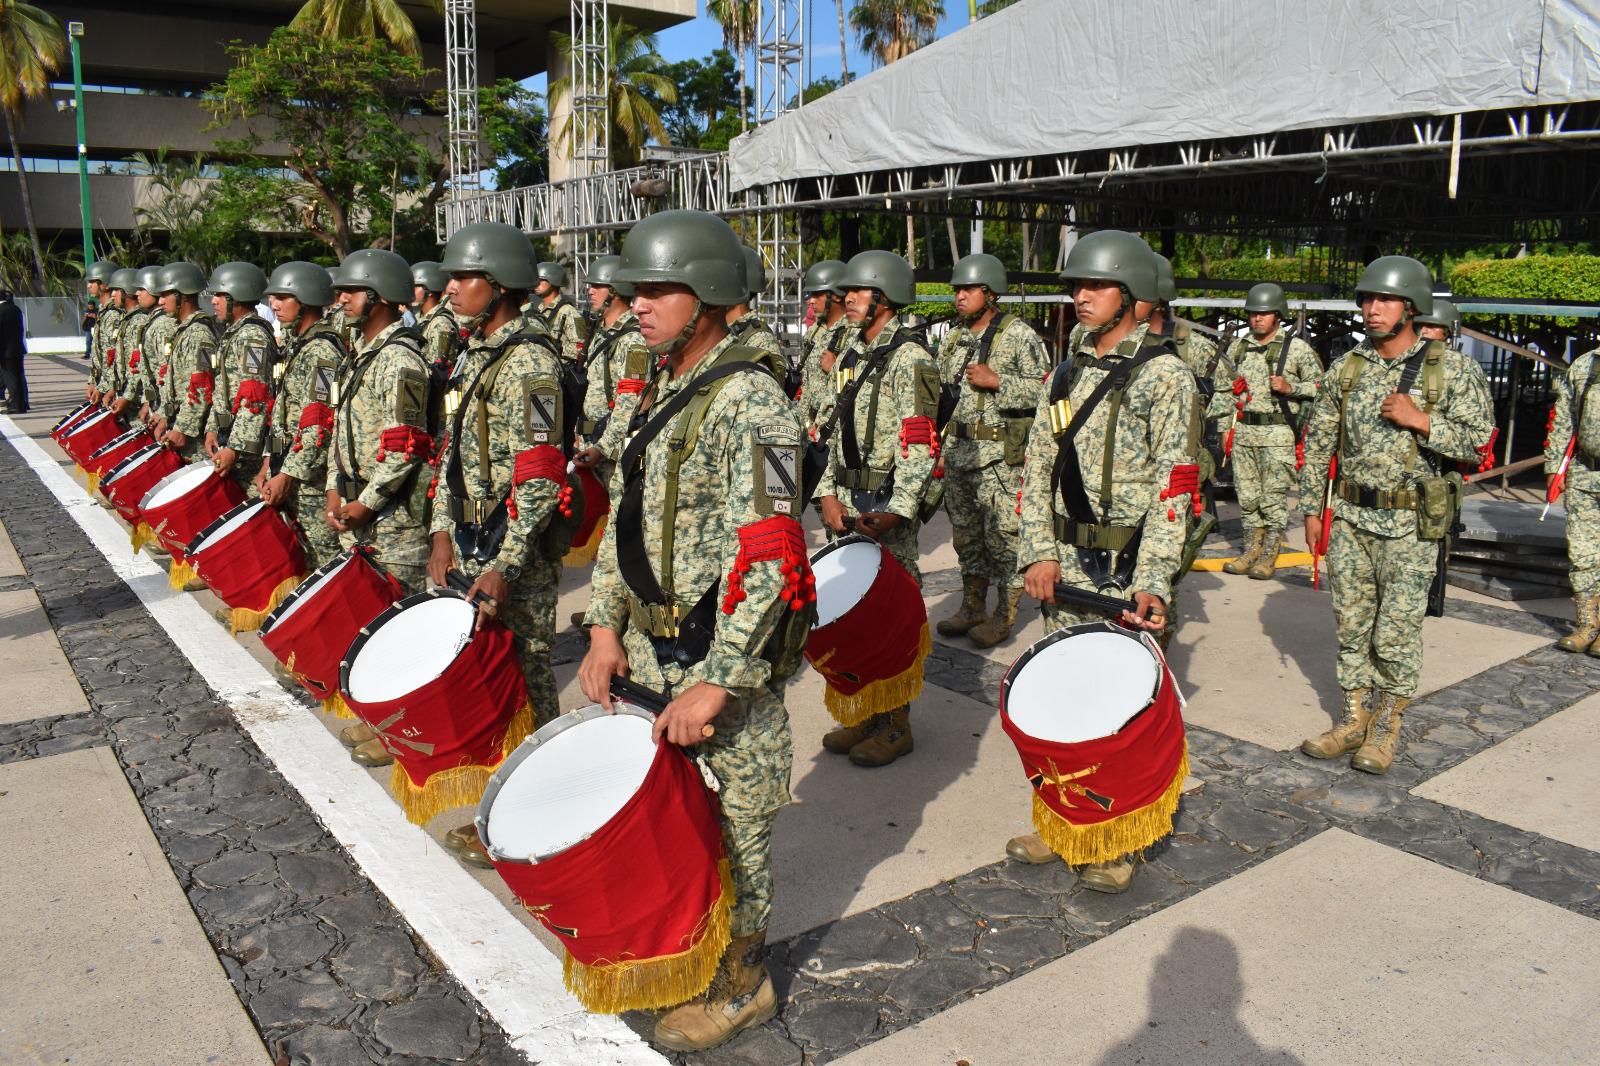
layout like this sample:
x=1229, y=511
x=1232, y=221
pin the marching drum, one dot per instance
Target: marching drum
x=611, y=841
x=126, y=483
x=183, y=503
x=1097, y=720
x=100, y=461
x=89, y=434
x=447, y=702
x=871, y=634
x=251, y=559
x=65, y=421
x=596, y=506
x=310, y=631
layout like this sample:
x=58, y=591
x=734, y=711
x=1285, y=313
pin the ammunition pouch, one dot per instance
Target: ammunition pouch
x=1438, y=503
x=1016, y=438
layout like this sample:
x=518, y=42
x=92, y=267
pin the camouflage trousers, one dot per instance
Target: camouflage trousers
x=531, y=616
x=320, y=542
x=401, y=547
x=1263, y=477
x=243, y=473
x=982, y=505
x=1583, y=539
x=1380, y=594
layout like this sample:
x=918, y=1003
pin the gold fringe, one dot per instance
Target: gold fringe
x=1079, y=845
x=94, y=481
x=653, y=984
x=336, y=706
x=584, y=554
x=459, y=786
x=248, y=621
x=180, y=575
x=883, y=695
x=141, y=535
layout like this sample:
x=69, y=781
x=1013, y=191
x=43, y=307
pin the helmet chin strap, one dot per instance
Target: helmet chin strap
x=685, y=335
x=1126, y=309
x=472, y=325
x=1259, y=333
x=1375, y=335
x=366, y=309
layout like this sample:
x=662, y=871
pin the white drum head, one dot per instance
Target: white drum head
x=843, y=577
x=132, y=462
x=176, y=485
x=231, y=526
x=569, y=784
x=308, y=590
x=92, y=420
x=412, y=648
x=1083, y=687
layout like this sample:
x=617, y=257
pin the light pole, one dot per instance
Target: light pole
x=74, y=32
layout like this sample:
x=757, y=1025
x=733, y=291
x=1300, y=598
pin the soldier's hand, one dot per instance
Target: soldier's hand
x=495, y=590
x=441, y=558
x=981, y=376
x=833, y=513
x=211, y=445
x=1280, y=385
x=587, y=457
x=356, y=514
x=119, y=405
x=876, y=523
x=158, y=427
x=686, y=718
x=177, y=439
x=144, y=415
x=1399, y=408
x=606, y=659
x=222, y=459
x=938, y=467
x=1151, y=613
x=826, y=361
x=276, y=489
x=1040, y=580
x=1313, y=531
x=334, y=514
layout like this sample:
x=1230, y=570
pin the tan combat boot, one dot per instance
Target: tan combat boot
x=998, y=628
x=1254, y=541
x=1584, y=627
x=974, y=592
x=1109, y=877
x=465, y=844
x=1030, y=848
x=841, y=740
x=1345, y=737
x=1383, y=736
x=354, y=735
x=740, y=997
x=1266, y=563
x=372, y=753
x=888, y=742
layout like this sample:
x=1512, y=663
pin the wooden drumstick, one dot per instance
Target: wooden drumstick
x=651, y=700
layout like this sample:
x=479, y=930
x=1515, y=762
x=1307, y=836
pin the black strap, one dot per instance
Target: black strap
x=1284, y=407
x=1413, y=368
x=846, y=403
x=1067, y=475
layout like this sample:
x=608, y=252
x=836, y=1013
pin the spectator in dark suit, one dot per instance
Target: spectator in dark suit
x=12, y=349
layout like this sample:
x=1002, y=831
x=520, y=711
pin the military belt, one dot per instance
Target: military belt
x=1263, y=418
x=1087, y=535
x=588, y=426
x=471, y=512
x=1383, y=499
x=656, y=619
x=865, y=478
x=977, y=431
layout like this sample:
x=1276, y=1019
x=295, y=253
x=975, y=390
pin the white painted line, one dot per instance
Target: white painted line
x=496, y=958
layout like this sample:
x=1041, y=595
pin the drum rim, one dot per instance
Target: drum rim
x=91, y=420
x=537, y=739
x=307, y=587
x=70, y=415
x=127, y=464
x=1082, y=628
x=835, y=545
x=404, y=603
x=194, y=547
x=181, y=471
x=119, y=441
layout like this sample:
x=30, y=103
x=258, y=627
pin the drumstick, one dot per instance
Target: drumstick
x=462, y=584
x=1094, y=601
x=651, y=700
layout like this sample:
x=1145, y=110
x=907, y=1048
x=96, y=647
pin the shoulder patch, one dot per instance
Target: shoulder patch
x=255, y=358
x=325, y=382
x=927, y=391
x=636, y=365
x=777, y=474
x=411, y=398
x=541, y=411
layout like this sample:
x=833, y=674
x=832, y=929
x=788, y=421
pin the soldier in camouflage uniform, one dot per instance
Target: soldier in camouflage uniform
x=115, y=379
x=994, y=364
x=747, y=327
x=1577, y=414
x=105, y=368
x=1443, y=325
x=441, y=336
x=296, y=475
x=155, y=351
x=559, y=314
x=134, y=317
x=882, y=478
x=830, y=334
x=729, y=516
x=1259, y=413
x=1130, y=529
x=1386, y=442
x=618, y=364
x=191, y=374
x=1197, y=351
x=102, y=336
x=236, y=429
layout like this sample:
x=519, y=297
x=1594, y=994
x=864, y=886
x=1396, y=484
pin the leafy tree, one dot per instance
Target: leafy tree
x=63, y=266
x=738, y=21
x=707, y=89
x=637, y=80
x=361, y=20
x=32, y=48
x=989, y=7
x=819, y=88
x=514, y=125
x=892, y=29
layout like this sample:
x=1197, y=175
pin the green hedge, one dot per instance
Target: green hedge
x=1282, y=269
x=1534, y=277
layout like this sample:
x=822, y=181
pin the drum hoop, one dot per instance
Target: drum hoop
x=196, y=546
x=93, y=419
x=540, y=737
x=180, y=472
x=1049, y=639
x=365, y=632
x=70, y=415
x=306, y=588
x=128, y=463
x=125, y=438
x=835, y=545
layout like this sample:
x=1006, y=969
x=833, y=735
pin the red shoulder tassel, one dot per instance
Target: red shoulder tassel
x=777, y=538
x=919, y=430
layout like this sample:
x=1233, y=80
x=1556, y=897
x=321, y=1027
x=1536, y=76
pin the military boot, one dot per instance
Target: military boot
x=465, y=844
x=1345, y=737
x=997, y=628
x=888, y=742
x=740, y=997
x=841, y=740
x=1255, y=540
x=1266, y=563
x=1030, y=848
x=372, y=754
x=359, y=733
x=1383, y=735
x=1584, y=627
x=1109, y=877
x=974, y=593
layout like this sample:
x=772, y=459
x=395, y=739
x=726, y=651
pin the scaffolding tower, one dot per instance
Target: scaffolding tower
x=591, y=130
x=780, y=89
x=461, y=96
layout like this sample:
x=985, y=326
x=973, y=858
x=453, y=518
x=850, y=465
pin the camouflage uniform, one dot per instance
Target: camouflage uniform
x=817, y=387
x=1194, y=348
x=246, y=354
x=1582, y=497
x=155, y=364
x=130, y=354
x=721, y=488
x=191, y=379
x=566, y=325
x=980, y=484
x=616, y=353
x=311, y=366
x=752, y=331
x=441, y=339
x=1263, y=453
x=385, y=386
x=103, y=369
x=1380, y=570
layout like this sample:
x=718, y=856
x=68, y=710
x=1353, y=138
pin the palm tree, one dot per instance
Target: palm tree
x=360, y=19
x=844, y=56
x=32, y=48
x=738, y=21
x=634, y=73
x=892, y=29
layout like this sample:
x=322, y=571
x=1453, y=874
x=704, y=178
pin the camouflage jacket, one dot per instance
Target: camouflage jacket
x=905, y=389
x=1584, y=471
x=1194, y=348
x=1157, y=430
x=384, y=389
x=1257, y=362
x=566, y=325
x=1380, y=455
x=191, y=377
x=246, y=356
x=1017, y=355
x=130, y=354
x=103, y=371
x=441, y=339
x=155, y=363
x=307, y=374
x=817, y=387
x=752, y=331
x=616, y=353
x=724, y=486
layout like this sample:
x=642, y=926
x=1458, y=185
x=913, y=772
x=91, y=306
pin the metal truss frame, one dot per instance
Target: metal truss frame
x=461, y=96
x=780, y=57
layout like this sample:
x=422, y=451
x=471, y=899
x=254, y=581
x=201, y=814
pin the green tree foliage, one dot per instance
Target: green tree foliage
x=637, y=80
x=889, y=30
x=361, y=20
x=1564, y=278
x=32, y=48
x=708, y=89
x=514, y=124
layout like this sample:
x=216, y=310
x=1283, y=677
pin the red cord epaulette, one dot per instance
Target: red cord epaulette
x=199, y=382
x=133, y=359
x=1486, y=453
x=630, y=386
x=161, y=373
x=1183, y=481
x=409, y=441
x=111, y=356
x=256, y=394
x=918, y=430
x=777, y=538
x=544, y=461
x=315, y=414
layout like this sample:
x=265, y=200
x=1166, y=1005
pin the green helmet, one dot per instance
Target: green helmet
x=1267, y=296
x=690, y=248
x=149, y=278
x=1398, y=275
x=497, y=250
x=306, y=282
x=244, y=282
x=185, y=278
x=821, y=276
x=125, y=279
x=885, y=271
x=1115, y=255
x=1166, y=280
x=551, y=271
x=1444, y=314
x=378, y=269
x=755, y=271
x=980, y=268
x=101, y=270
x=603, y=274
x=429, y=275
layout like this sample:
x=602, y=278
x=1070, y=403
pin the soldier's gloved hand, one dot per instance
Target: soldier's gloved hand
x=1040, y=580
x=1151, y=615
x=832, y=513
x=587, y=457
x=876, y=523
x=441, y=558
x=606, y=659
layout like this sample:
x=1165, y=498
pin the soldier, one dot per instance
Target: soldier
x=747, y=327
x=993, y=364
x=882, y=455
x=236, y=429
x=1443, y=325
x=500, y=497
x=119, y=375
x=191, y=362
x=103, y=336
x=1197, y=351
x=1117, y=516
x=1259, y=414
x=1389, y=450
x=559, y=314
x=829, y=334
x=692, y=511
x=1574, y=424
x=618, y=364
x=155, y=348
x=134, y=316
x=441, y=337
x=294, y=478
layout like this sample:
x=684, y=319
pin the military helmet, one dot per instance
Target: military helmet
x=980, y=268
x=1166, y=280
x=306, y=282
x=1398, y=275
x=429, y=275
x=755, y=271
x=148, y=278
x=378, y=269
x=1267, y=296
x=181, y=277
x=822, y=276
x=244, y=282
x=126, y=279
x=690, y=248
x=885, y=271
x=1114, y=255
x=553, y=272
x=497, y=250
x=101, y=270
x=1444, y=314
x=603, y=274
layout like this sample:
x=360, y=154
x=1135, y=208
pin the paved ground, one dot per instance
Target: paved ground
x=1300, y=912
